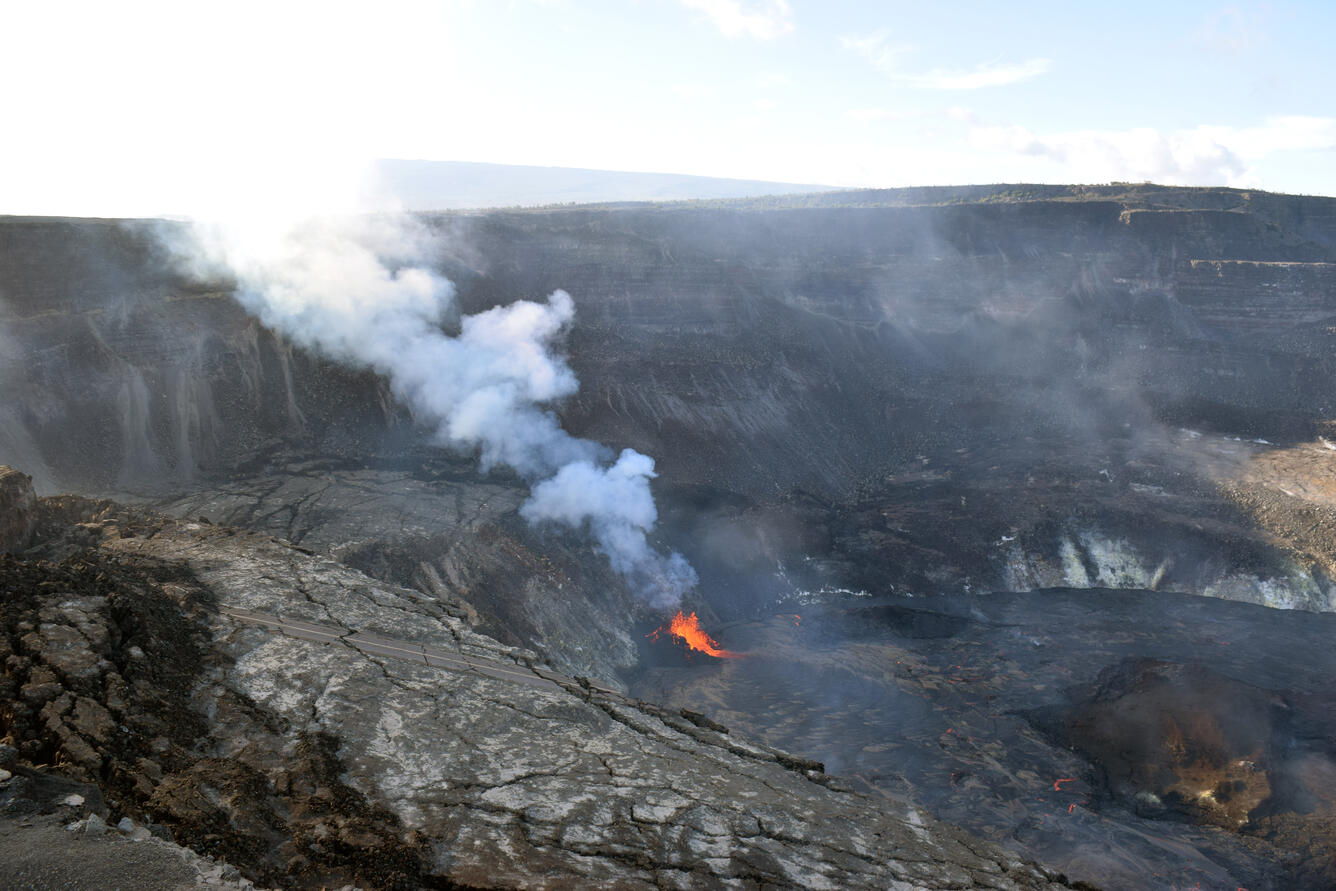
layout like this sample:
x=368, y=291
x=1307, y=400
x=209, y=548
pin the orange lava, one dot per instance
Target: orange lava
x=686, y=628
x=1057, y=784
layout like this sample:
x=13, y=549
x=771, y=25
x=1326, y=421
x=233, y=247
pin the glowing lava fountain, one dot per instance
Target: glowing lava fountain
x=686, y=628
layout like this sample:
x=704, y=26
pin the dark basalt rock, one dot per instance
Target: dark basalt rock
x=1116, y=734
x=102, y=654
x=18, y=510
x=310, y=762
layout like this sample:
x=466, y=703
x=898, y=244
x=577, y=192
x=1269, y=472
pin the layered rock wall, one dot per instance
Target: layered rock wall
x=1055, y=342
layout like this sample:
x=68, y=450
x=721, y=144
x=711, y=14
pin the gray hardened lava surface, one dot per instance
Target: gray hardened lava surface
x=142, y=665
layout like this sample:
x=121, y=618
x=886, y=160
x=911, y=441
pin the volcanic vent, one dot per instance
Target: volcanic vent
x=1182, y=742
x=683, y=633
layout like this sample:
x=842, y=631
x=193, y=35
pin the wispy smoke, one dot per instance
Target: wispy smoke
x=359, y=291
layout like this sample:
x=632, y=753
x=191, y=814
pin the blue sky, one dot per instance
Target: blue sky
x=140, y=107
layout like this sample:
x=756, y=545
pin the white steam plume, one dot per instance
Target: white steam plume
x=359, y=291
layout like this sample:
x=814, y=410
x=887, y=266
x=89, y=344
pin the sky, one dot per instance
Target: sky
x=141, y=108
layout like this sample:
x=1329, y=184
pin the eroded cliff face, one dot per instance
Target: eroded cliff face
x=1074, y=390
x=1007, y=388
x=123, y=375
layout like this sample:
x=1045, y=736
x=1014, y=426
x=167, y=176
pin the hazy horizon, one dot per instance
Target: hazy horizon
x=151, y=108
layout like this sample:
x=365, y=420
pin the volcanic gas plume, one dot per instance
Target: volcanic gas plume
x=360, y=291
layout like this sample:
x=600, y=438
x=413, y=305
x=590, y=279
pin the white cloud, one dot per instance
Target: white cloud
x=868, y=115
x=1285, y=132
x=987, y=75
x=878, y=50
x=694, y=90
x=154, y=107
x=1204, y=155
x=758, y=19
x=1230, y=29
x=888, y=58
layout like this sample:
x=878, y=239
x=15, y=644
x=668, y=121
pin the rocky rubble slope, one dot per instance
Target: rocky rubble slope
x=141, y=656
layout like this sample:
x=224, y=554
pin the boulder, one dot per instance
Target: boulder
x=18, y=510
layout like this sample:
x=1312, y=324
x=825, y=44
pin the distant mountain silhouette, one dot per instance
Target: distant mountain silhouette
x=441, y=185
